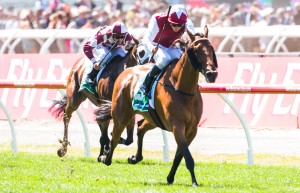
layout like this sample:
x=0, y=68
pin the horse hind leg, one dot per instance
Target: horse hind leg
x=104, y=140
x=121, y=120
x=130, y=130
x=143, y=127
x=68, y=111
x=116, y=135
x=65, y=142
x=57, y=112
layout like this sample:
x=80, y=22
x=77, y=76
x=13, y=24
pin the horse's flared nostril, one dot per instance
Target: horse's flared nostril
x=211, y=75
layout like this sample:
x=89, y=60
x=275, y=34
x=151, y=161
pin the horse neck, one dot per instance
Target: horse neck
x=131, y=61
x=184, y=76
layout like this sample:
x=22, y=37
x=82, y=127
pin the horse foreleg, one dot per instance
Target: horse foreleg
x=104, y=140
x=183, y=147
x=63, y=150
x=190, y=164
x=177, y=159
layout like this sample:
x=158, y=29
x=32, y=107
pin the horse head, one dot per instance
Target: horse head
x=132, y=53
x=202, y=55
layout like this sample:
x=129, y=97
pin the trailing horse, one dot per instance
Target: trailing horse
x=177, y=102
x=70, y=102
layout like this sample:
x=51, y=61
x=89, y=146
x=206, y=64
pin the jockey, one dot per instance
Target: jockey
x=106, y=44
x=177, y=23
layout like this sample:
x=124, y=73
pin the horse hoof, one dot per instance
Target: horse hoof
x=194, y=184
x=102, y=158
x=132, y=160
x=128, y=142
x=170, y=180
x=122, y=141
x=61, y=152
x=108, y=163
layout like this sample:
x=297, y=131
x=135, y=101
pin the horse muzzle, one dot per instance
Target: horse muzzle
x=211, y=75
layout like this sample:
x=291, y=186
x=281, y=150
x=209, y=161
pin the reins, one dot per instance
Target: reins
x=176, y=90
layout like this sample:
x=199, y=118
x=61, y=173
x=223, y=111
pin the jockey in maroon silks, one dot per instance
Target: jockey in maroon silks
x=177, y=23
x=107, y=43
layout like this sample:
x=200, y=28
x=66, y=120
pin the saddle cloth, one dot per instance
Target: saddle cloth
x=91, y=87
x=141, y=102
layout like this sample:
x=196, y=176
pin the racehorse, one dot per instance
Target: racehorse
x=178, y=102
x=70, y=102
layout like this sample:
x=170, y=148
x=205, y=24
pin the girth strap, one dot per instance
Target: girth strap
x=156, y=118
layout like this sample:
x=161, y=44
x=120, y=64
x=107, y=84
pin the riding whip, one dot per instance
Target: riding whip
x=115, y=44
x=162, y=31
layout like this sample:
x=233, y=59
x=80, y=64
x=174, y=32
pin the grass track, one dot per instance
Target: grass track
x=44, y=172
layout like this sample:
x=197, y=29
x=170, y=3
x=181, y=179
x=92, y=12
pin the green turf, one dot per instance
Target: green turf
x=41, y=172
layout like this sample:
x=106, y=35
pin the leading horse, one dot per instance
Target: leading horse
x=70, y=102
x=178, y=102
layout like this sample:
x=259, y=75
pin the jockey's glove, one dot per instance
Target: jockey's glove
x=97, y=65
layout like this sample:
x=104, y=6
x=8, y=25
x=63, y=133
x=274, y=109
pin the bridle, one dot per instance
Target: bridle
x=195, y=66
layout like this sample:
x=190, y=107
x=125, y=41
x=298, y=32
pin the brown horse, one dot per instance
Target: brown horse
x=70, y=102
x=177, y=101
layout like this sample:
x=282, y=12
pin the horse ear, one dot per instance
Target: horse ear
x=191, y=35
x=205, y=31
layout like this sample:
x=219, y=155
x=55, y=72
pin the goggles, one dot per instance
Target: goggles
x=117, y=36
x=177, y=25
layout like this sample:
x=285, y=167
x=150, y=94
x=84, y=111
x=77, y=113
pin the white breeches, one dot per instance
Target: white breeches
x=163, y=55
x=101, y=51
x=103, y=55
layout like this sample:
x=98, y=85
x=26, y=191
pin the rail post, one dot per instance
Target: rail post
x=14, y=146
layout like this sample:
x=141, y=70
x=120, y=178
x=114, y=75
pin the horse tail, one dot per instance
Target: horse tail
x=58, y=111
x=104, y=111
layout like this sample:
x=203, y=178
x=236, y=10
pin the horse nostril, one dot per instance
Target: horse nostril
x=211, y=75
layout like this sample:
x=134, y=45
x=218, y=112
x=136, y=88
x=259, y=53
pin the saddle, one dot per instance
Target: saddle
x=92, y=88
x=142, y=102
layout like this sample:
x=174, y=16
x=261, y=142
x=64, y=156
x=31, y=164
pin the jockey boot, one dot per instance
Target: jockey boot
x=90, y=77
x=145, y=88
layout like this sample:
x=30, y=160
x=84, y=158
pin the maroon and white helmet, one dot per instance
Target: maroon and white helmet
x=119, y=28
x=178, y=15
